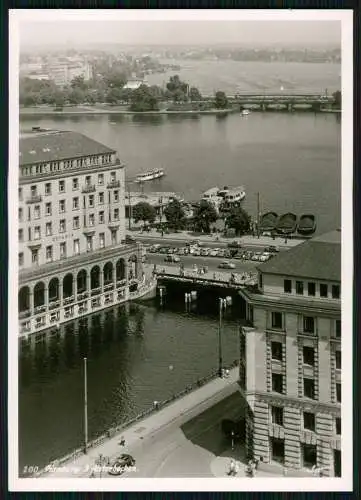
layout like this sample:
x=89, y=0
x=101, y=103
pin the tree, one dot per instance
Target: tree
x=194, y=94
x=175, y=215
x=142, y=99
x=239, y=220
x=221, y=101
x=204, y=215
x=142, y=211
x=113, y=95
x=78, y=82
x=76, y=96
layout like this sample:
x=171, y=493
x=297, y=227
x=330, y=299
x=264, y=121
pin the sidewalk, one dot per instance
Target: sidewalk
x=173, y=415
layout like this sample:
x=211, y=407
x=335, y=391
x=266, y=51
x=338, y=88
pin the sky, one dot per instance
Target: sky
x=257, y=33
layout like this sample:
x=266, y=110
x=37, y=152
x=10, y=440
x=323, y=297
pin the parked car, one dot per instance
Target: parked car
x=213, y=252
x=234, y=244
x=221, y=253
x=226, y=265
x=196, y=252
x=171, y=258
x=120, y=464
x=272, y=249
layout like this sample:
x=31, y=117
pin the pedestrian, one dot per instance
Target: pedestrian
x=122, y=441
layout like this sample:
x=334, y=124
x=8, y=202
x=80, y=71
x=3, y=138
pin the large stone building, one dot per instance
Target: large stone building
x=74, y=257
x=290, y=369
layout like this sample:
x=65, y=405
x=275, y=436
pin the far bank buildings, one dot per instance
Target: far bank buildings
x=290, y=370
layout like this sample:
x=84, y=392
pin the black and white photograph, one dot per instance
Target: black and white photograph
x=180, y=311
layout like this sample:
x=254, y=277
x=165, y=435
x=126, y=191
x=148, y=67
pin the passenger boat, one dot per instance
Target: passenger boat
x=287, y=224
x=150, y=176
x=307, y=225
x=245, y=112
x=269, y=221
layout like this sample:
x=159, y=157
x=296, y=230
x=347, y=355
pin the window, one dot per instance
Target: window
x=61, y=186
x=48, y=229
x=49, y=253
x=311, y=289
x=62, y=250
x=20, y=194
x=21, y=234
x=100, y=179
x=76, y=203
x=277, y=450
x=47, y=208
x=277, y=320
x=338, y=392
x=309, y=421
x=33, y=190
x=101, y=240
x=35, y=256
x=48, y=188
x=309, y=455
x=76, y=247
x=287, y=286
x=29, y=213
x=323, y=290
x=277, y=382
x=91, y=220
x=276, y=349
x=260, y=277
x=308, y=324
x=29, y=233
x=91, y=200
x=89, y=243
x=101, y=217
x=309, y=388
x=20, y=214
x=75, y=222
x=101, y=198
x=338, y=329
x=62, y=226
x=116, y=214
x=62, y=206
x=88, y=180
x=75, y=183
x=114, y=237
x=116, y=195
x=338, y=426
x=112, y=176
x=335, y=291
x=277, y=415
x=37, y=212
x=299, y=287
x=338, y=360
x=37, y=234
x=308, y=355
x=21, y=259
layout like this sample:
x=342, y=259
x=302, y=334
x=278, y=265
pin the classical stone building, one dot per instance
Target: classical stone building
x=290, y=371
x=74, y=257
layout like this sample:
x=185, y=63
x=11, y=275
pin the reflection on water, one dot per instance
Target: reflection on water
x=130, y=350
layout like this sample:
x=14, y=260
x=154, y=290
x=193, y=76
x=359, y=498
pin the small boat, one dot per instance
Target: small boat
x=150, y=176
x=245, y=112
x=269, y=221
x=307, y=224
x=287, y=224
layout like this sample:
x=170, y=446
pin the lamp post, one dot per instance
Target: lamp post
x=160, y=201
x=223, y=303
x=85, y=406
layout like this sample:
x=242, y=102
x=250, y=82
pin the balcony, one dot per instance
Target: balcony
x=113, y=184
x=54, y=305
x=34, y=198
x=113, y=224
x=24, y=314
x=88, y=188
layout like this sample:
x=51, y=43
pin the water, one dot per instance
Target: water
x=292, y=159
x=136, y=355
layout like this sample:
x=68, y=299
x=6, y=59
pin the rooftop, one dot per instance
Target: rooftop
x=318, y=258
x=54, y=145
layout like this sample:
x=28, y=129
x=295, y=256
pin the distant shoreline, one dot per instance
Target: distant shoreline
x=43, y=112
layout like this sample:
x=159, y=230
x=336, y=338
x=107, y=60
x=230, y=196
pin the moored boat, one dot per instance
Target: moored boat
x=268, y=221
x=150, y=176
x=287, y=223
x=307, y=224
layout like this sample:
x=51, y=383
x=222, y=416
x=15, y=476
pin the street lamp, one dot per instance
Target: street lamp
x=223, y=304
x=85, y=406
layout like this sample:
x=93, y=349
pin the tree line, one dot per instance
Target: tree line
x=204, y=216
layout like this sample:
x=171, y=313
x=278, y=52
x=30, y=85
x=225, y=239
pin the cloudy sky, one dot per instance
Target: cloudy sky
x=257, y=33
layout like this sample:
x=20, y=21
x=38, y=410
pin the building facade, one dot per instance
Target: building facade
x=74, y=257
x=290, y=353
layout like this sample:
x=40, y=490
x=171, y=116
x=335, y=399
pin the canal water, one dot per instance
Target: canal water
x=292, y=159
x=137, y=354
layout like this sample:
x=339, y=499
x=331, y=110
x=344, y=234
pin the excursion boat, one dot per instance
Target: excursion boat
x=150, y=176
x=287, y=224
x=245, y=112
x=307, y=225
x=269, y=221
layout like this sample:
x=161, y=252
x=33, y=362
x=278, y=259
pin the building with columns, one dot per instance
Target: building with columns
x=290, y=370
x=74, y=257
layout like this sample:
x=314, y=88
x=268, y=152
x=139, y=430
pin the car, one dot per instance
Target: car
x=204, y=252
x=196, y=252
x=226, y=265
x=171, y=258
x=234, y=244
x=213, y=253
x=272, y=249
x=121, y=464
x=221, y=253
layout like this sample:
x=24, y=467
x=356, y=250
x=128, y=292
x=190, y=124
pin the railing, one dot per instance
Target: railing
x=113, y=184
x=89, y=188
x=35, y=198
x=119, y=428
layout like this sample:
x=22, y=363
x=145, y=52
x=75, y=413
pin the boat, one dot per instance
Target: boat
x=245, y=112
x=287, y=223
x=307, y=225
x=269, y=221
x=150, y=176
